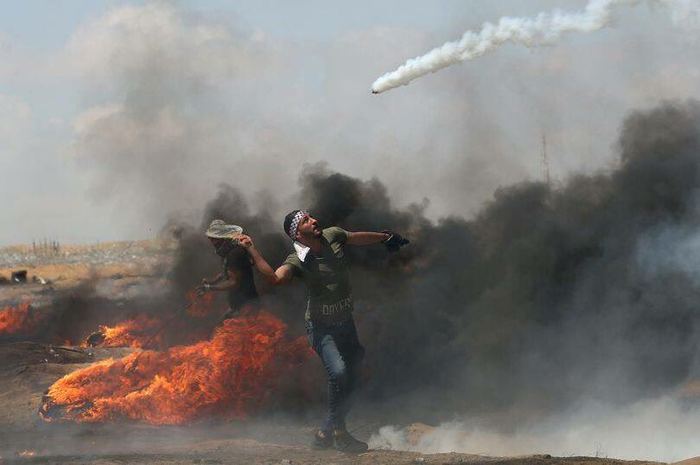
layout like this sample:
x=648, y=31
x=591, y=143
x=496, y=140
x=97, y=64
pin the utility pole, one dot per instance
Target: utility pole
x=545, y=161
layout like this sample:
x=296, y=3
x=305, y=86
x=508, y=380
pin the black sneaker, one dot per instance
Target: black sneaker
x=322, y=440
x=344, y=442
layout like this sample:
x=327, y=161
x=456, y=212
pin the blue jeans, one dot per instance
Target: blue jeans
x=341, y=354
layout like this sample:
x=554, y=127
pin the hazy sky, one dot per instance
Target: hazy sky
x=117, y=115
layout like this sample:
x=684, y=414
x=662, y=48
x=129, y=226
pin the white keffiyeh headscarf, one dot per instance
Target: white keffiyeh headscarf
x=301, y=250
x=294, y=225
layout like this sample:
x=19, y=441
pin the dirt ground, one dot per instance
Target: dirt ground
x=117, y=268
x=28, y=368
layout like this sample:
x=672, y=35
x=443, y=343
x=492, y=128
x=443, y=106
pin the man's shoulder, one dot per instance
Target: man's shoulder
x=335, y=234
x=293, y=260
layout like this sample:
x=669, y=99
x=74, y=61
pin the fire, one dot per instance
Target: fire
x=200, y=305
x=233, y=374
x=137, y=332
x=18, y=320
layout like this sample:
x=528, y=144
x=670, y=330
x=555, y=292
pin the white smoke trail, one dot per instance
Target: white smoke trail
x=537, y=30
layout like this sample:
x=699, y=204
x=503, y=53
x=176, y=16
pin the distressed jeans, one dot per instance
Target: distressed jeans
x=341, y=354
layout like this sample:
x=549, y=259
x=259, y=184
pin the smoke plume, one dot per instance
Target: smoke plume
x=548, y=297
x=544, y=28
x=660, y=429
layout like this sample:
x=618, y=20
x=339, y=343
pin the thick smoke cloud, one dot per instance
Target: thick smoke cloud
x=544, y=297
x=153, y=105
x=174, y=102
x=548, y=297
x=158, y=133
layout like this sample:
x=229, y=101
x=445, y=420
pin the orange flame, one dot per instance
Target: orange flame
x=232, y=374
x=136, y=332
x=18, y=320
x=200, y=305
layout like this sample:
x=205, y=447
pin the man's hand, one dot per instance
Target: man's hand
x=245, y=241
x=281, y=275
x=395, y=241
x=202, y=288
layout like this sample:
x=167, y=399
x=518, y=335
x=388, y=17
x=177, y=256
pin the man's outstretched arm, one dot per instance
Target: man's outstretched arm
x=218, y=278
x=281, y=275
x=391, y=240
x=220, y=283
x=366, y=238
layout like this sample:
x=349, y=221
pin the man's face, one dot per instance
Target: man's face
x=308, y=228
x=221, y=244
x=216, y=242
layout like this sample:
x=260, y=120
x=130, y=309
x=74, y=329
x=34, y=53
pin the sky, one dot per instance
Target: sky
x=117, y=116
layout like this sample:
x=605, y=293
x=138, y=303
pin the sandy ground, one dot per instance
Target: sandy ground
x=27, y=369
x=119, y=270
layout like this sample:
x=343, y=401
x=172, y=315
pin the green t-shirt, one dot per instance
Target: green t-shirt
x=327, y=279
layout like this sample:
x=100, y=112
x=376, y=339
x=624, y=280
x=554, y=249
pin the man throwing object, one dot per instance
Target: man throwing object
x=319, y=260
x=236, y=277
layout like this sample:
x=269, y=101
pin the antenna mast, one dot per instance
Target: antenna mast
x=545, y=161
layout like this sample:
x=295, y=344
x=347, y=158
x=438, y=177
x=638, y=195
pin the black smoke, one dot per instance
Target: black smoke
x=550, y=295
x=195, y=257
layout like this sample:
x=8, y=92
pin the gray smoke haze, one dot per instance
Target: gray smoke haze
x=548, y=295
x=542, y=285
x=549, y=302
x=660, y=429
x=175, y=103
x=584, y=267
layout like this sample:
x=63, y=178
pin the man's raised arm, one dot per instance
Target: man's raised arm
x=366, y=238
x=281, y=275
x=392, y=240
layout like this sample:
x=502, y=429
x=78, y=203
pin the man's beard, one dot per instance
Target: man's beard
x=311, y=235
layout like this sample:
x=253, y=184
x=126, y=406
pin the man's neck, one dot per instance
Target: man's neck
x=313, y=243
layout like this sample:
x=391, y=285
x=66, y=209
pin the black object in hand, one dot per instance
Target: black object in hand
x=395, y=241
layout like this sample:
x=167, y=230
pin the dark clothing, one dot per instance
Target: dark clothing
x=327, y=279
x=235, y=261
x=341, y=353
x=329, y=324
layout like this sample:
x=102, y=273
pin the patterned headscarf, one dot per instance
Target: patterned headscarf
x=294, y=225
